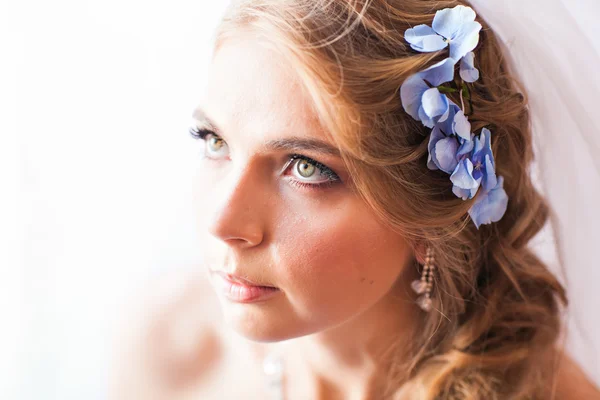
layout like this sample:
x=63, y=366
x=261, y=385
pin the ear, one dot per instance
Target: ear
x=420, y=251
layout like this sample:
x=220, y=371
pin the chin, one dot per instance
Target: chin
x=262, y=323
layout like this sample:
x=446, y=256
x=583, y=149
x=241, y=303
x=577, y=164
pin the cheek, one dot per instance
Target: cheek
x=339, y=263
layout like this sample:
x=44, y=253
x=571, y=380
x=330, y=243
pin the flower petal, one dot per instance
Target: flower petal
x=440, y=72
x=465, y=40
x=461, y=193
x=423, y=38
x=425, y=119
x=445, y=115
x=461, y=125
x=436, y=135
x=483, y=160
x=486, y=136
x=466, y=147
x=474, y=190
x=411, y=92
x=483, y=147
x=435, y=104
x=430, y=164
x=468, y=72
x=490, y=206
x=446, y=124
x=464, y=194
x=490, y=180
x=477, y=171
x=448, y=22
x=445, y=154
x=463, y=175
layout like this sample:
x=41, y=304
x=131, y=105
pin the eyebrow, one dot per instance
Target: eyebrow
x=287, y=144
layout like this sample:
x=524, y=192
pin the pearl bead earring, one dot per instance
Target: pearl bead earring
x=423, y=286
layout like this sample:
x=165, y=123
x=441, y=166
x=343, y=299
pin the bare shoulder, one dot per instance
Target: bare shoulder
x=572, y=383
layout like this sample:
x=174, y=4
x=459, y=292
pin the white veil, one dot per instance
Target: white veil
x=554, y=49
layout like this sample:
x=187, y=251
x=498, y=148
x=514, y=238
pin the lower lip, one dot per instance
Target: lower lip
x=242, y=293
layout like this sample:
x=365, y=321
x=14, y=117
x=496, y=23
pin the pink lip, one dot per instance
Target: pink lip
x=241, y=290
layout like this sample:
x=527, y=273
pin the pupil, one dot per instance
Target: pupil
x=305, y=169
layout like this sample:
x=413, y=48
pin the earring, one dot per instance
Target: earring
x=423, y=286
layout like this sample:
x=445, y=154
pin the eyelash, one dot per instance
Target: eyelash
x=333, y=178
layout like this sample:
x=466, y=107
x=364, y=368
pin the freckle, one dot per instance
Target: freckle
x=363, y=279
x=370, y=283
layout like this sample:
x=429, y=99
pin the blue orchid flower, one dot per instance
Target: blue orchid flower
x=468, y=72
x=426, y=103
x=490, y=206
x=455, y=27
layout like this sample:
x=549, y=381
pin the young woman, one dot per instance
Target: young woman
x=365, y=204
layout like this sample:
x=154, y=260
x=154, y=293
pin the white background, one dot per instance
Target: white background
x=96, y=169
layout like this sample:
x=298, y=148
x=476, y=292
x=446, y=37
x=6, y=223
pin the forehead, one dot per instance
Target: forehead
x=253, y=88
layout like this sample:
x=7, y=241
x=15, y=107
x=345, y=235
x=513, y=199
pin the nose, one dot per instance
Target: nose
x=237, y=209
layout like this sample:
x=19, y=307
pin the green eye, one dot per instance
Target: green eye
x=311, y=173
x=305, y=169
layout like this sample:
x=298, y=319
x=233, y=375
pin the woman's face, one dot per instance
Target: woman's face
x=275, y=205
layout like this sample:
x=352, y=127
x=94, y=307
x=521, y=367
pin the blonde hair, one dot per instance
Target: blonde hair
x=498, y=305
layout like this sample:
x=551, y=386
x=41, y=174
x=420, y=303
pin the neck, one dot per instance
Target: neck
x=354, y=360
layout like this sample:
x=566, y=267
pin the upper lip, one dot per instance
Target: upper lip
x=239, y=279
